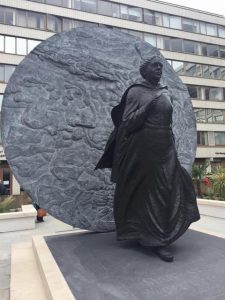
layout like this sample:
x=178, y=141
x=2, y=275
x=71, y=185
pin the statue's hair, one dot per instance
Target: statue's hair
x=146, y=62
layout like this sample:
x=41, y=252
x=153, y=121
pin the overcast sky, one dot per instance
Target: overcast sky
x=213, y=6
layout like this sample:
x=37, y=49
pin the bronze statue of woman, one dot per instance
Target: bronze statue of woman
x=154, y=201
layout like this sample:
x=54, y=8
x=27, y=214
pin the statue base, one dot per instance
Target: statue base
x=83, y=265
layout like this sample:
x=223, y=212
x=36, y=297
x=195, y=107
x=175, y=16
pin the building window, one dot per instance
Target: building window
x=190, y=25
x=166, y=21
x=175, y=22
x=151, y=39
x=176, y=45
x=214, y=72
x=21, y=18
x=222, y=52
x=6, y=72
x=85, y=5
x=202, y=138
x=221, y=31
x=54, y=2
x=131, y=13
x=10, y=44
x=54, y=23
x=105, y=8
x=178, y=67
x=10, y=16
x=193, y=70
x=213, y=93
x=190, y=47
x=32, y=44
x=194, y=91
x=2, y=43
x=219, y=138
x=200, y=115
x=21, y=46
x=211, y=29
x=213, y=50
x=36, y=20
x=149, y=17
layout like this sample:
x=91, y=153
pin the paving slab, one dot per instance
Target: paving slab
x=96, y=266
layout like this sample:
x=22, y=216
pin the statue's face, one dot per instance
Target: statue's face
x=154, y=71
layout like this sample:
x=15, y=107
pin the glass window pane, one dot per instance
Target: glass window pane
x=193, y=70
x=66, y=3
x=36, y=20
x=2, y=15
x=158, y=19
x=211, y=29
x=76, y=4
x=149, y=17
x=190, y=25
x=202, y=138
x=222, y=52
x=218, y=115
x=222, y=73
x=10, y=16
x=219, y=138
x=1, y=98
x=166, y=21
x=178, y=67
x=175, y=22
x=213, y=50
x=194, y=91
x=221, y=31
x=160, y=42
x=202, y=28
x=68, y=24
x=176, y=45
x=151, y=39
x=54, y=2
x=21, y=46
x=167, y=43
x=214, y=72
x=190, y=47
x=200, y=115
x=215, y=93
x=32, y=44
x=2, y=73
x=209, y=115
x=205, y=71
x=134, y=14
x=21, y=18
x=116, y=10
x=204, y=49
x=8, y=72
x=105, y=8
x=54, y=23
x=2, y=43
x=10, y=44
x=88, y=5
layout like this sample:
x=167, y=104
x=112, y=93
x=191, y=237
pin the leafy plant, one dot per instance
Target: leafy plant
x=218, y=179
x=6, y=204
x=198, y=173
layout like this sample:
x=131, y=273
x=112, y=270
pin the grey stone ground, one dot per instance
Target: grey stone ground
x=51, y=225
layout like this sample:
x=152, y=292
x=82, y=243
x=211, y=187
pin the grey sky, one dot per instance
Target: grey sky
x=213, y=6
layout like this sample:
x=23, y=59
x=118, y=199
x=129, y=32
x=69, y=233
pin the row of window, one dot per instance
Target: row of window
x=58, y=24
x=13, y=45
x=140, y=15
x=5, y=72
x=206, y=93
x=198, y=70
x=211, y=138
x=206, y=115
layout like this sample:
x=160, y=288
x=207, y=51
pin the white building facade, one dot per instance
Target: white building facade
x=191, y=40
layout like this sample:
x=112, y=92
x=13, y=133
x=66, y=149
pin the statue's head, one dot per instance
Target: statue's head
x=151, y=69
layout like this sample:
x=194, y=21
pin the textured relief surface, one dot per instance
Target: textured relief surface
x=56, y=120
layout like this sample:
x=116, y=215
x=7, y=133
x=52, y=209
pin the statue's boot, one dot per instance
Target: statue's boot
x=163, y=253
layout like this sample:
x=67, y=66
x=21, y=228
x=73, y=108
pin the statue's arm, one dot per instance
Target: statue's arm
x=134, y=115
